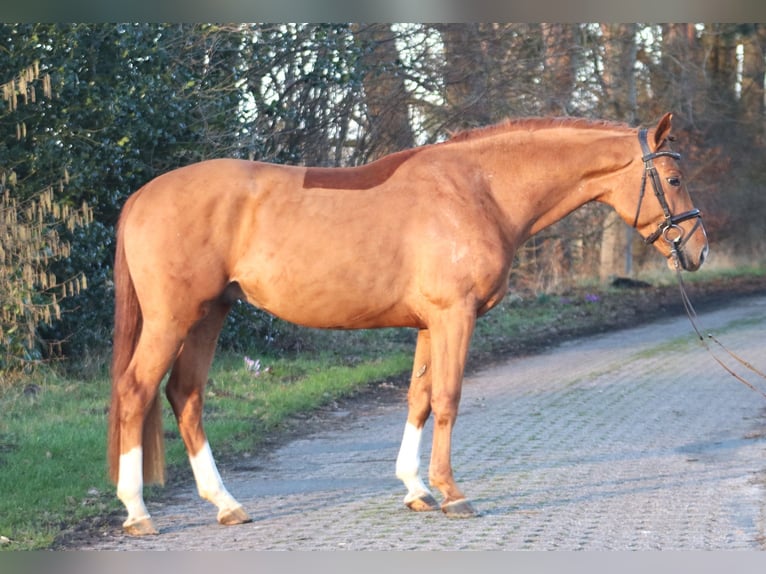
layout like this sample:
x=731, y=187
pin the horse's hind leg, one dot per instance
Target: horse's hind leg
x=418, y=496
x=185, y=391
x=137, y=413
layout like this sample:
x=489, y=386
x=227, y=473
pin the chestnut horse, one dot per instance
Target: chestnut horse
x=423, y=238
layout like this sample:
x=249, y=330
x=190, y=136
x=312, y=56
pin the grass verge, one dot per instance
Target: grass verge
x=52, y=433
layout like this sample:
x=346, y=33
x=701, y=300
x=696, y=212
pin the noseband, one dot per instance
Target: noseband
x=670, y=223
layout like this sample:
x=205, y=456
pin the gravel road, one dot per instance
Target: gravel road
x=634, y=440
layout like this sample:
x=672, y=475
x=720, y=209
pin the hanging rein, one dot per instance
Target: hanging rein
x=671, y=232
x=693, y=319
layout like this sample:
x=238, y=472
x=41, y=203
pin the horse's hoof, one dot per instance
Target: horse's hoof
x=233, y=516
x=142, y=527
x=424, y=503
x=459, y=509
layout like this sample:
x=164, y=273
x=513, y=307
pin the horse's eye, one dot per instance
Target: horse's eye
x=674, y=181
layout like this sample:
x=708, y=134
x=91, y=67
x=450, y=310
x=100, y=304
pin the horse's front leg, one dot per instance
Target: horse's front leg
x=450, y=338
x=418, y=497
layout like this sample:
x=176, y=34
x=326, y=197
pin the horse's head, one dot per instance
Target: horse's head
x=664, y=215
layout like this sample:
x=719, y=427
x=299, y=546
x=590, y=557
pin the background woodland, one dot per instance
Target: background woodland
x=91, y=112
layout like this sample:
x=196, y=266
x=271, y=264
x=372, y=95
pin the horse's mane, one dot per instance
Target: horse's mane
x=534, y=124
x=369, y=175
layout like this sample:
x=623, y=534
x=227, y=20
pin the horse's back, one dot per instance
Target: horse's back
x=314, y=250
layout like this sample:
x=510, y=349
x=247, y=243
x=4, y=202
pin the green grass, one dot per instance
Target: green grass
x=52, y=427
x=52, y=433
x=51, y=458
x=246, y=407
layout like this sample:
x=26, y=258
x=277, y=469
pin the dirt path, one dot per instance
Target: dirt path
x=631, y=440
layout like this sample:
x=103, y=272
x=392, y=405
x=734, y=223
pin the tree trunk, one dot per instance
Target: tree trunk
x=619, y=81
x=386, y=96
x=721, y=69
x=466, y=81
x=676, y=81
x=751, y=89
x=559, y=67
x=619, y=78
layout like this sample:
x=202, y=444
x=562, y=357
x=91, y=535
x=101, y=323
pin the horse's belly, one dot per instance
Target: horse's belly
x=331, y=303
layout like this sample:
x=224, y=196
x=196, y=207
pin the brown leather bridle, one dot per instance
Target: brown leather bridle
x=670, y=223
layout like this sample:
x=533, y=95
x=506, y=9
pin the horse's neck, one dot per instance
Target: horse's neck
x=540, y=180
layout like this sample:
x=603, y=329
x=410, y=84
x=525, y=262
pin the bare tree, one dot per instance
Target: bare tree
x=720, y=41
x=386, y=98
x=619, y=77
x=752, y=107
x=466, y=82
x=560, y=67
x=619, y=101
x=677, y=83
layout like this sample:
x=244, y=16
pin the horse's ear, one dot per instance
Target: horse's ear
x=662, y=132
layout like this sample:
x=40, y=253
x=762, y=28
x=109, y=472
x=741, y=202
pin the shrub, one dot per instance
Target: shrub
x=29, y=241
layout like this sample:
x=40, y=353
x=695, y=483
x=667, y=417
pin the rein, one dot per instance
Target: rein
x=671, y=232
x=694, y=320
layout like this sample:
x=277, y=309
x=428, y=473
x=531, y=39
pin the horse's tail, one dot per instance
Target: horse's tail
x=127, y=329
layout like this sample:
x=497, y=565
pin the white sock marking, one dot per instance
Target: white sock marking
x=408, y=463
x=209, y=483
x=130, y=485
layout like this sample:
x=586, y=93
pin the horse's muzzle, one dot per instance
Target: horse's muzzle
x=687, y=263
